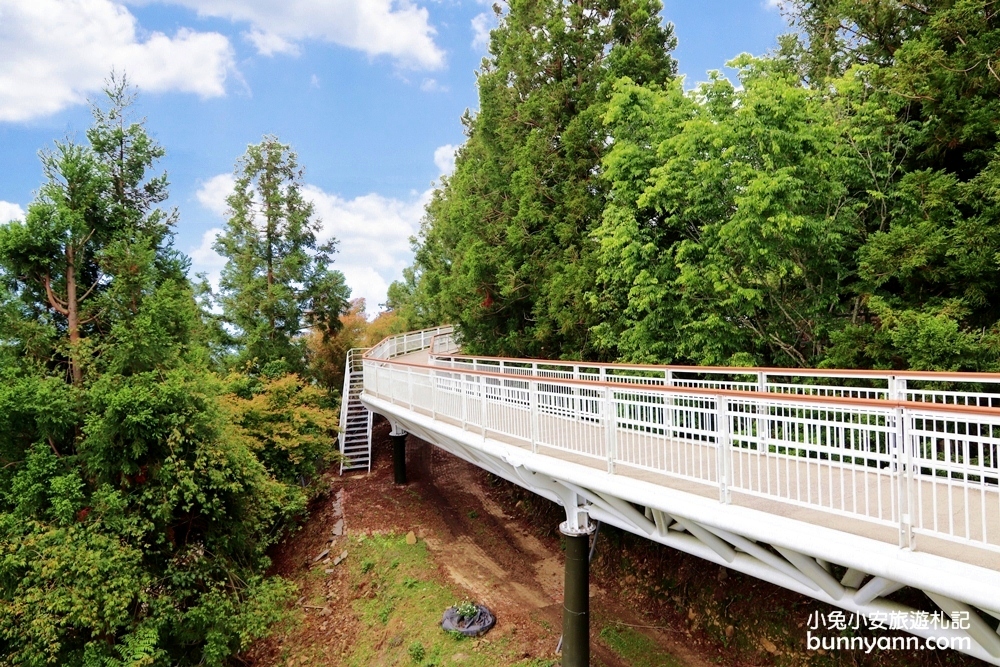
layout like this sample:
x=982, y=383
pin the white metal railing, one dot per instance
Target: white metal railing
x=407, y=343
x=911, y=386
x=905, y=461
x=353, y=367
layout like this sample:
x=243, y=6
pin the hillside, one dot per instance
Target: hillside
x=480, y=538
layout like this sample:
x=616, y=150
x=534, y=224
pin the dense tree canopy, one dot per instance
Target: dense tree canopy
x=506, y=248
x=838, y=207
x=139, y=492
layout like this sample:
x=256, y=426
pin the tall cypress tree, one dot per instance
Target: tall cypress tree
x=505, y=250
x=277, y=281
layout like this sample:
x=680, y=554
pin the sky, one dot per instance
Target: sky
x=369, y=93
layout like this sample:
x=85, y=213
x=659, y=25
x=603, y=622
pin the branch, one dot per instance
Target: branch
x=989, y=66
x=789, y=350
x=87, y=238
x=88, y=320
x=87, y=293
x=54, y=301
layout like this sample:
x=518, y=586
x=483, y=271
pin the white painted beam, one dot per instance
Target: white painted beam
x=877, y=587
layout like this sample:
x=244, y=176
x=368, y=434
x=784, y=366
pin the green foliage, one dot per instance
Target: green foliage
x=466, y=609
x=276, y=282
x=505, y=251
x=839, y=207
x=138, y=492
x=635, y=648
x=288, y=422
x=417, y=652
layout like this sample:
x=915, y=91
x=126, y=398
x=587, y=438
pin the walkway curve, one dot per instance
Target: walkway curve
x=841, y=485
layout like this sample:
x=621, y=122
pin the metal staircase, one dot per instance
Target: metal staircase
x=355, y=418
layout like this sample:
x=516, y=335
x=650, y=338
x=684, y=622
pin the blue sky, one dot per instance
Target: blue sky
x=368, y=92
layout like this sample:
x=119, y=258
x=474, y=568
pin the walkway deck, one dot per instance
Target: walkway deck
x=898, y=486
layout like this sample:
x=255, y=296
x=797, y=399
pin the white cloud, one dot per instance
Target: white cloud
x=55, y=52
x=213, y=192
x=397, y=28
x=268, y=44
x=432, y=86
x=481, y=26
x=444, y=158
x=373, y=233
x=205, y=260
x=773, y=4
x=10, y=211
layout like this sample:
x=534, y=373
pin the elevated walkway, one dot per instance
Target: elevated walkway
x=845, y=486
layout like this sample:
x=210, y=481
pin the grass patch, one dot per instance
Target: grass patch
x=401, y=606
x=636, y=648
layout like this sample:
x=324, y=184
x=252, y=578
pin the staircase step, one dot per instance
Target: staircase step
x=355, y=427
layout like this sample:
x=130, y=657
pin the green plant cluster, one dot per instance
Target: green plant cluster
x=467, y=609
x=838, y=205
x=141, y=483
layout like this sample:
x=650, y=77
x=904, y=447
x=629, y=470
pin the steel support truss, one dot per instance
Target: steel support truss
x=787, y=553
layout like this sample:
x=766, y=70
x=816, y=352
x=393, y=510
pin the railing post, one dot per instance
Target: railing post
x=893, y=389
x=482, y=408
x=533, y=406
x=611, y=426
x=903, y=472
x=722, y=436
x=409, y=386
x=464, y=385
x=433, y=390
x=761, y=409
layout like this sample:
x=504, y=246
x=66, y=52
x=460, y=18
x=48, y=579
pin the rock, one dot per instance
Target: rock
x=411, y=538
x=691, y=614
x=323, y=554
x=729, y=631
x=768, y=645
x=338, y=528
x=340, y=559
x=328, y=570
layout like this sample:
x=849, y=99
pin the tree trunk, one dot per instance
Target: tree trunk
x=73, y=316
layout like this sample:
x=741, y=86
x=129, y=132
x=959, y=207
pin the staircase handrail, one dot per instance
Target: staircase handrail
x=354, y=364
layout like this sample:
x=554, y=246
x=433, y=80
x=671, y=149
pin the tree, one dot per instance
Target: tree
x=505, y=251
x=277, y=281
x=135, y=515
x=73, y=262
x=51, y=259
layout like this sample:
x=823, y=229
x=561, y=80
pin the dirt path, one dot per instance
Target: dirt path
x=475, y=549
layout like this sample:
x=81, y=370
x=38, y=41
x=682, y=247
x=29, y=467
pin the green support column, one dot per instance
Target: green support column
x=398, y=457
x=576, y=597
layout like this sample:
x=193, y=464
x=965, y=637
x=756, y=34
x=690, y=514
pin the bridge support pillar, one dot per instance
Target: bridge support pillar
x=398, y=436
x=576, y=596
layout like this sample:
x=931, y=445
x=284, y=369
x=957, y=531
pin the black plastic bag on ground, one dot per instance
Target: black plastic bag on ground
x=478, y=625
